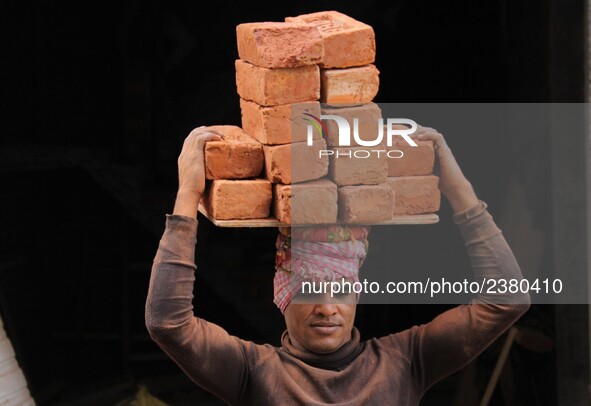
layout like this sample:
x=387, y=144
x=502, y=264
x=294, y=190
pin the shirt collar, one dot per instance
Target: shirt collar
x=337, y=360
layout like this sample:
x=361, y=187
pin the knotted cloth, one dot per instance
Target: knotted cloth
x=326, y=253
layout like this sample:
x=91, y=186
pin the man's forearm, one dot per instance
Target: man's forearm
x=490, y=255
x=170, y=294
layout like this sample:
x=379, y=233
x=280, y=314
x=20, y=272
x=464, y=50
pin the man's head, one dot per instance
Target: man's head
x=318, y=320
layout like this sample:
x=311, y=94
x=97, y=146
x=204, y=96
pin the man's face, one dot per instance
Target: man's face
x=323, y=326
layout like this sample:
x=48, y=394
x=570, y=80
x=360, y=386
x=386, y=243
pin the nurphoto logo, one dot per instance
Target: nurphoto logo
x=404, y=129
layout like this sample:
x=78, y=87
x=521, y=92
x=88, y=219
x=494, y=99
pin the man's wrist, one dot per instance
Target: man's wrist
x=188, y=193
x=462, y=197
x=187, y=203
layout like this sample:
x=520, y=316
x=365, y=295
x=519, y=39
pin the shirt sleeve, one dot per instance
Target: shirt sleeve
x=211, y=357
x=459, y=335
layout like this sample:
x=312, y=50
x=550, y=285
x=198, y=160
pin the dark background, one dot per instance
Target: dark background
x=98, y=97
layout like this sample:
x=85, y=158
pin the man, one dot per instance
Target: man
x=321, y=360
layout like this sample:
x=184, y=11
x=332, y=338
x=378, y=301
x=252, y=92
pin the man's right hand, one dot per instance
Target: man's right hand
x=191, y=163
x=452, y=182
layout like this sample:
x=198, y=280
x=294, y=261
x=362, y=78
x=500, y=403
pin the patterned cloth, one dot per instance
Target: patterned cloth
x=318, y=254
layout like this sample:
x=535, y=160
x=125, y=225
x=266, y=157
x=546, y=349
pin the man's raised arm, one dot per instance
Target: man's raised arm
x=206, y=353
x=457, y=336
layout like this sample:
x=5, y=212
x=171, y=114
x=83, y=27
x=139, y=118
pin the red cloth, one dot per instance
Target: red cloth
x=316, y=253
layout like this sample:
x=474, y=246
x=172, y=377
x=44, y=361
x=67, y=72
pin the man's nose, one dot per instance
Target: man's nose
x=326, y=309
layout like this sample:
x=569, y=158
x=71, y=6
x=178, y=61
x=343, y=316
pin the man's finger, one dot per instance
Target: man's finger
x=427, y=136
x=208, y=136
x=206, y=130
x=202, y=130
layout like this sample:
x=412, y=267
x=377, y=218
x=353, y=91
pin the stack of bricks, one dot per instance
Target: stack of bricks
x=278, y=78
x=349, y=83
x=233, y=168
x=285, y=71
x=411, y=179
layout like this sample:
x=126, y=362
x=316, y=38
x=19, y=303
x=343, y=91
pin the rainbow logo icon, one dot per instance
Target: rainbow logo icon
x=318, y=124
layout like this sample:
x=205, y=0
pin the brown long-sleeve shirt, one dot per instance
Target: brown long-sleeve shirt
x=396, y=369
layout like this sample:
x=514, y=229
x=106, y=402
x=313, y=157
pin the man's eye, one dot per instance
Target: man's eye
x=344, y=297
x=341, y=294
x=306, y=296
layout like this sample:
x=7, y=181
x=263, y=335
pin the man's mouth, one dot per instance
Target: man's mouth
x=325, y=327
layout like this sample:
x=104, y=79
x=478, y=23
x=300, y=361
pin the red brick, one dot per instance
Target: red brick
x=239, y=156
x=347, y=42
x=313, y=202
x=279, y=45
x=367, y=114
x=282, y=202
x=238, y=199
x=366, y=203
x=368, y=168
x=416, y=161
x=270, y=87
x=281, y=124
x=415, y=194
x=297, y=162
x=350, y=85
